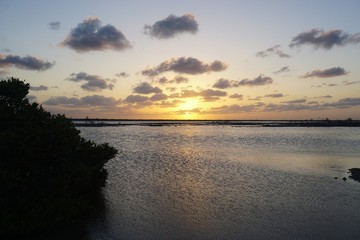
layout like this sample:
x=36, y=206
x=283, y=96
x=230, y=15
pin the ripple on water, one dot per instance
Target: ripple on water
x=196, y=182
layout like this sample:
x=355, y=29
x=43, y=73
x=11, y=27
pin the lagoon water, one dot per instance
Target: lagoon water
x=225, y=182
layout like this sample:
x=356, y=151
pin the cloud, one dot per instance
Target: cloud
x=135, y=99
x=275, y=95
x=146, y=88
x=54, y=25
x=326, y=96
x=325, y=39
x=258, y=81
x=94, y=83
x=172, y=26
x=63, y=101
x=158, y=97
x=275, y=50
x=177, y=80
x=222, y=83
x=283, y=70
x=327, y=73
x=91, y=36
x=347, y=83
x=122, y=75
x=212, y=95
x=184, y=65
x=93, y=101
x=238, y=96
x=236, y=108
x=303, y=100
x=39, y=88
x=28, y=62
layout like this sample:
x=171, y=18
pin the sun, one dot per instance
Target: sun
x=188, y=109
x=189, y=104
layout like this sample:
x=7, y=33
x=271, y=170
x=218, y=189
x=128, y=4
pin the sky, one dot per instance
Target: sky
x=199, y=59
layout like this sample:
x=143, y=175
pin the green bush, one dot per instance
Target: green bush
x=49, y=175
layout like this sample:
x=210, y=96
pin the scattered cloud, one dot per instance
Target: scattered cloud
x=93, y=101
x=28, y=62
x=326, y=73
x=94, y=83
x=54, y=25
x=297, y=101
x=258, y=81
x=273, y=51
x=283, y=70
x=236, y=108
x=210, y=95
x=347, y=83
x=122, y=75
x=91, y=36
x=326, y=96
x=223, y=83
x=172, y=26
x=261, y=80
x=324, y=39
x=185, y=65
x=146, y=88
x=39, y=88
x=135, y=99
x=274, y=95
x=158, y=97
x=237, y=96
x=177, y=80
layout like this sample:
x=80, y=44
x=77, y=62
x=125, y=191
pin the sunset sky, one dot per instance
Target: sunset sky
x=231, y=59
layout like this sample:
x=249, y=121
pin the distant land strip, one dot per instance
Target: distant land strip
x=236, y=123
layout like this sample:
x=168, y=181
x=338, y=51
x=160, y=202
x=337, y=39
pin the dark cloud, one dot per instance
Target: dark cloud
x=63, y=101
x=275, y=50
x=210, y=95
x=326, y=96
x=93, y=101
x=347, y=83
x=207, y=94
x=327, y=73
x=54, y=25
x=135, y=99
x=91, y=36
x=39, y=88
x=283, y=70
x=303, y=100
x=94, y=83
x=188, y=65
x=222, y=84
x=122, y=75
x=31, y=98
x=258, y=81
x=238, y=96
x=28, y=62
x=158, y=97
x=275, y=95
x=324, y=39
x=146, y=88
x=235, y=108
x=177, y=80
x=172, y=26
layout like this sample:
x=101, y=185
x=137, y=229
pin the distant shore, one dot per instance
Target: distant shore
x=235, y=123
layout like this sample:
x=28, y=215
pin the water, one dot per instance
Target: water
x=224, y=182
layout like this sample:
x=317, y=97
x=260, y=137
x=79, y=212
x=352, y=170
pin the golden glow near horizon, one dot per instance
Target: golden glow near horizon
x=93, y=61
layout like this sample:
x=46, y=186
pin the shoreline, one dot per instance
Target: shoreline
x=234, y=123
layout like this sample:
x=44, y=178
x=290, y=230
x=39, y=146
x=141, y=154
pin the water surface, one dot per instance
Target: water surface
x=224, y=182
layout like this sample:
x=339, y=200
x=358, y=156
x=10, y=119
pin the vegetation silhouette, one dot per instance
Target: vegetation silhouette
x=50, y=176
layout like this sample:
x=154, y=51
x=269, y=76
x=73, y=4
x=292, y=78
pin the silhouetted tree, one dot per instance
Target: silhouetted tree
x=49, y=174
